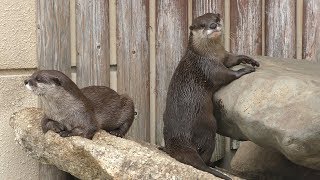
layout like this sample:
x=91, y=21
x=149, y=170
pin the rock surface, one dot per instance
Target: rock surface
x=254, y=162
x=278, y=107
x=104, y=157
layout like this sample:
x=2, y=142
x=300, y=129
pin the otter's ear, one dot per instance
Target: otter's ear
x=191, y=27
x=218, y=17
x=56, y=81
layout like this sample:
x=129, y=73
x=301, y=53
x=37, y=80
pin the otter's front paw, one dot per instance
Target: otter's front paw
x=64, y=134
x=115, y=133
x=248, y=69
x=249, y=60
x=253, y=62
x=48, y=124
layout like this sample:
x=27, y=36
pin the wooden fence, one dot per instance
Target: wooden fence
x=133, y=46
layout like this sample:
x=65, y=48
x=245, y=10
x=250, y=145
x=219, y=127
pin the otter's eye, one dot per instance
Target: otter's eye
x=218, y=18
x=202, y=25
x=213, y=26
x=56, y=81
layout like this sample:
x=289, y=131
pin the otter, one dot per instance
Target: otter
x=189, y=124
x=70, y=111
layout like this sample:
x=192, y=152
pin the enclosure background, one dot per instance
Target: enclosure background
x=134, y=46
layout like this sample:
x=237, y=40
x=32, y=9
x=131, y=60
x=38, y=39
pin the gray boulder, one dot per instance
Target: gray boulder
x=254, y=162
x=103, y=157
x=278, y=107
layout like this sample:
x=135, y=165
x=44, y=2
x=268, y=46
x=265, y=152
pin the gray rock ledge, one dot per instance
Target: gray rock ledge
x=104, y=157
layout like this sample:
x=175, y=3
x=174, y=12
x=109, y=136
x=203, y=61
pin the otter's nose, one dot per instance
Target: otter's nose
x=26, y=82
x=213, y=26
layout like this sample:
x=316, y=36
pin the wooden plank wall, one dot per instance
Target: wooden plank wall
x=53, y=35
x=133, y=61
x=171, y=42
x=53, y=52
x=92, y=42
x=311, y=30
x=200, y=7
x=280, y=28
x=146, y=39
x=246, y=27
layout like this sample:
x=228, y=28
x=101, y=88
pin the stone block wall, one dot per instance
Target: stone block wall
x=17, y=61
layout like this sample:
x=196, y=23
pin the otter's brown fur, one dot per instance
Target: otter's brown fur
x=189, y=124
x=71, y=111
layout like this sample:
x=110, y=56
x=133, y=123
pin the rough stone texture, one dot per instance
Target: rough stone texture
x=14, y=96
x=17, y=52
x=255, y=162
x=104, y=157
x=277, y=107
x=17, y=34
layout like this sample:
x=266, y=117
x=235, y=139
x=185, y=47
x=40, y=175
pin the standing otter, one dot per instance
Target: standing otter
x=189, y=125
x=73, y=112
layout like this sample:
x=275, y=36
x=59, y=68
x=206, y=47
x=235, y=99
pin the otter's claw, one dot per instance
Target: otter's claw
x=245, y=70
x=249, y=60
x=254, y=63
x=115, y=133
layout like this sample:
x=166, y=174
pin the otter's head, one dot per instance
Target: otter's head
x=46, y=82
x=206, y=31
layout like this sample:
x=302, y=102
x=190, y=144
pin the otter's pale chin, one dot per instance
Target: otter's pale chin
x=28, y=87
x=208, y=32
x=214, y=35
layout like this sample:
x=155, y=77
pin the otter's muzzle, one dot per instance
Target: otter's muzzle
x=28, y=83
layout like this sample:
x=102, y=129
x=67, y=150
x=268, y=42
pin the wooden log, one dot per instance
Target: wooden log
x=92, y=29
x=311, y=30
x=53, y=52
x=133, y=61
x=281, y=28
x=171, y=43
x=104, y=157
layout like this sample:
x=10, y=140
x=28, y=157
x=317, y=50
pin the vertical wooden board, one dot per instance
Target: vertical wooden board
x=53, y=52
x=200, y=7
x=92, y=29
x=311, y=30
x=171, y=43
x=281, y=28
x=53, y=35
x=133, y=61
x=246, y=27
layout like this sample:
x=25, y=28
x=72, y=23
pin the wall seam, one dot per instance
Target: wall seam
x=152, y=67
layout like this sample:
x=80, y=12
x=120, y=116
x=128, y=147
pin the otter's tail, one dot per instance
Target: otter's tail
x=191, y=157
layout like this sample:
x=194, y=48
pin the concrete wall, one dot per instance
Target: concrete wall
x=17, y=60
